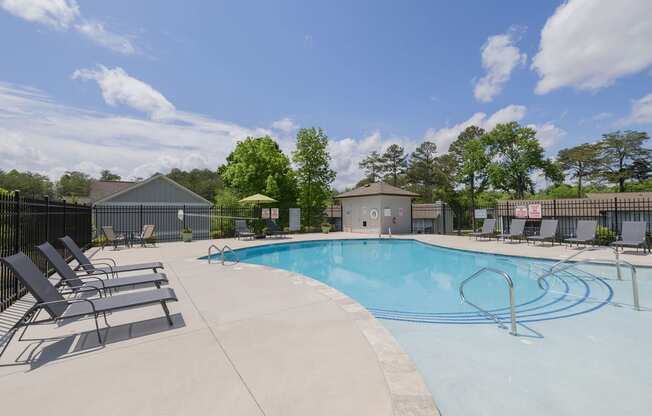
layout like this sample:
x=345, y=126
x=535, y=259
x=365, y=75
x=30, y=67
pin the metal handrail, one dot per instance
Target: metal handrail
x=237, y=257
x=584, y=250
x=209, y=251
x=510, y=284
x=617, y=262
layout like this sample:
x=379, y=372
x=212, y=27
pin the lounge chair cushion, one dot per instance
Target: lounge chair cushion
x=128, y=268
x=140, y=279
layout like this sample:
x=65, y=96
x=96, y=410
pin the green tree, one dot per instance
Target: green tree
x=579, y=161
x=472, y=157
x=372, y=166
x=314, y=173
x=107, y=175
x=226, y=198
x=73, y=184
x=28, y=183
x=422, y=170
x=516, y=155
x=394, y=163
x=204, y=182
x=619, y=153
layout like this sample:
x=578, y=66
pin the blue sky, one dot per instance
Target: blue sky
x=140, y=87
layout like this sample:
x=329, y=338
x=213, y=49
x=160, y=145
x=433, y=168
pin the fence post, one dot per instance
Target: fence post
x=16, y=224
x=443, y=210
x=64, y=217
x=47, y=218
x=615, y=226
x=141, y=216
x=184, y=217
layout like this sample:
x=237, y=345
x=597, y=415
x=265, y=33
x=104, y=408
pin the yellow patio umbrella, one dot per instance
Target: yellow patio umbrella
x=258, y=199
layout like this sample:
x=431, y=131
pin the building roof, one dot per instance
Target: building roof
x=619, y=195
x=101, y=189
x=376, y=188
x=136, y=185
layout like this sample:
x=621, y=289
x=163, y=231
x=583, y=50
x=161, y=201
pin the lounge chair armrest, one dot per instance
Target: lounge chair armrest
x=85, y=288
x=94, y=278
x=98, y=264
x=107, y=259
x=68, y=301
x=82, y=273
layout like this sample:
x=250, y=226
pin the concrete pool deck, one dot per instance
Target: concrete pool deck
x=252, y=340
x=246, y=340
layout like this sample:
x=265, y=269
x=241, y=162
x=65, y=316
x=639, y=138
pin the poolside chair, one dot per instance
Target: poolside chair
x=76, y=282
x=147, y=235
x=273, y=229
x=242, y=231
x=584, y=233
x=113, y=238
x=547, y=232
x=633, y=235
x=516, y=230
x=107, y=264
x=487, y=229
x=58, y=308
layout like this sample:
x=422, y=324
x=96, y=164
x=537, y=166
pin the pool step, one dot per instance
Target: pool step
x=565, y=295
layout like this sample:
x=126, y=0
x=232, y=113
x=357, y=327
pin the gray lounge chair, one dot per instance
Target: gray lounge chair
x=113, y=238
x=487, y=229
x=547, y=232
x=584, y=233
x=58, y=308
x=242, y=231
x=516, y=230
x=77, y=283
x=274, y=230
x=108, y=264
x=633, y=235
x=147, y=235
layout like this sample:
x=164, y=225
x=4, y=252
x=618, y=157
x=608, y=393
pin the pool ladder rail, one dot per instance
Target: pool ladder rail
x=510, y=285
x=568, y=264
x=222, y=251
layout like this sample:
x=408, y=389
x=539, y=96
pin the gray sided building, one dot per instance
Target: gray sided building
x=157, y=201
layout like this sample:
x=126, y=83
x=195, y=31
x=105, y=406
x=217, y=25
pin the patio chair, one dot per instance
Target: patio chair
x=242, y=231
x=78, y=283
x=633, y=235
x=487, y=229
x=147, y=235
x=58, y=308
x=105, y=264
x=547, y=232
x=273, y=229
x=584, y=233
x=113, y=238
x=516, y=230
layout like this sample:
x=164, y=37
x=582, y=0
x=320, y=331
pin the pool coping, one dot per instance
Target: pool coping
x=408, y=391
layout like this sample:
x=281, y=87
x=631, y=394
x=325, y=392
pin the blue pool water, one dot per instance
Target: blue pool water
x=409, y=280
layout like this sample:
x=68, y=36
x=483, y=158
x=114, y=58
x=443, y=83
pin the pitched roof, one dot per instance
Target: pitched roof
x=160, y=176
x=102, y=189
x=376, y=188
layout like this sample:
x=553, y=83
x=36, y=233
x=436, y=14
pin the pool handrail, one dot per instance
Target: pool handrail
x=510, y=285
x=222, y=251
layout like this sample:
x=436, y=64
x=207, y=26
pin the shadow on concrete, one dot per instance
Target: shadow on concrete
x=37, y=353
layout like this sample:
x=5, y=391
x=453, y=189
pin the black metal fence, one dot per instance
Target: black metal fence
x=25, y=223
x=609, y=213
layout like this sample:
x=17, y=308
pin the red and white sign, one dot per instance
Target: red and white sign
x=400, y=211
x=274, y=213
x=520, y=211
x=534, y=211
x=264, y=213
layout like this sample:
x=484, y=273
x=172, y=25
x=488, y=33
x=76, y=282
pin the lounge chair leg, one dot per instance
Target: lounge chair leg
x=158, y=285
x=167, y=312
x=13, y=332
x=97, y=329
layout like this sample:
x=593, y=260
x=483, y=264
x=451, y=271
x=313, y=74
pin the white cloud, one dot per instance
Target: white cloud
x=58, y=14
x=46, y=137
x=61, y=14
x=285, y=125
x=120, y=88
x=588, y=44
x=641, y=111
x=499, y=58
x=97, y=33
x=445, y=136
x=548, y=134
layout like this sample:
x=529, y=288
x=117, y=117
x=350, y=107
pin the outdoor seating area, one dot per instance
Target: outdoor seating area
x=633, y=234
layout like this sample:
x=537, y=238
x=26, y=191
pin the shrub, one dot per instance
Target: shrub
x=604, y=236
x=325, y=225
x=187, y=230
x=100, y=241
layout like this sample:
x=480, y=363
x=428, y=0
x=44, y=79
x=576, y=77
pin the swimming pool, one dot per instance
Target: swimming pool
x=408, y=280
